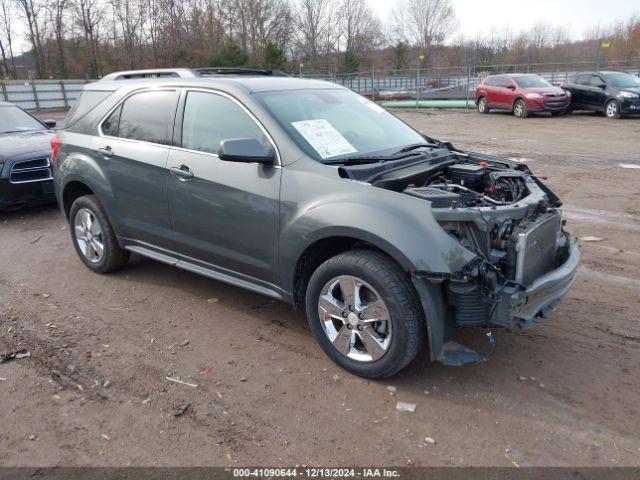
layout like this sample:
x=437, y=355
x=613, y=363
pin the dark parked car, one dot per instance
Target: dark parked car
x=522, y=94
x=612, y=93
x=25, y=148
x=309, y=193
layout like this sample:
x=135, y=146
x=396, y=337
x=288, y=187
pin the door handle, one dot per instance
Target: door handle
x=106, y=151
x=182, y=172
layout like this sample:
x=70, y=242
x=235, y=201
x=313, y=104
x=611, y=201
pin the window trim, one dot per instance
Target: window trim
x=120, y=103
x=213, y=91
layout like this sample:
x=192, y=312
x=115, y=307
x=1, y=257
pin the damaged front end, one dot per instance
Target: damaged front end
x=525, y=261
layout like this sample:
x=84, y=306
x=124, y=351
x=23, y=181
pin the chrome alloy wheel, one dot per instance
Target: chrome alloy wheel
x=88, y=235
x=355, y=319
x=518, y=109
x=482, y=105
x=612, y=109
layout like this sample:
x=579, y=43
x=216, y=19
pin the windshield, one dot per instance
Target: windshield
x=334, y=124
x=532, y=82
x=623, y=80
x=12, y=119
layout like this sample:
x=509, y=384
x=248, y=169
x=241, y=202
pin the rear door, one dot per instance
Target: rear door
x=225, y=216
x=133, y=147
x=596, y=95
x=491, y=91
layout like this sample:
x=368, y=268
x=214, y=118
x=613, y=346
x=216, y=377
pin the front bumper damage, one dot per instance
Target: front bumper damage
x=513, y=307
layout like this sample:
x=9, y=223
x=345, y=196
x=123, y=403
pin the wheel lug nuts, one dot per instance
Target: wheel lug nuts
x=345, y=314
x=351, y=308
x=349, y=326
x=360, y=328
x=361, y=316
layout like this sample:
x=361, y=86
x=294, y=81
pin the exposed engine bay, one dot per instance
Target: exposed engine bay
x=493, y=207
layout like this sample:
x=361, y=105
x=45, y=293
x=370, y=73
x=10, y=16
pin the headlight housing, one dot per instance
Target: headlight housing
x=533, y=95
x=628, y=95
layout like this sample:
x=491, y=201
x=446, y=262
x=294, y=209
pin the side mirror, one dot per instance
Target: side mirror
x=247, y=150
x=603, y=86
x=50, y=123
x=511, y=86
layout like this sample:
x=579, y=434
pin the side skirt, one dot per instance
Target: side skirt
x=207, y=272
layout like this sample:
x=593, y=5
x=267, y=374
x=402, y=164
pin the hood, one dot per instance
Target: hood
x=630, y=89
x=21, y=143
x=543, y=90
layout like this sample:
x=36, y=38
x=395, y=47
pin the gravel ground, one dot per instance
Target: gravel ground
x=94, y=390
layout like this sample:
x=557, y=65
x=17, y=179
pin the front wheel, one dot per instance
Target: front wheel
x=365, y=313
x=612, y=109
x=520, y=109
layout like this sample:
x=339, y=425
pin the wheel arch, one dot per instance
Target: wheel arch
x=73, y=190
x=327, y=247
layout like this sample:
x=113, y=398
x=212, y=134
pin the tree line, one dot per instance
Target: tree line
x=90, y=38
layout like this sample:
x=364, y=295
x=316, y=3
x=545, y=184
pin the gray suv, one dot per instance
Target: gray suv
x=309, y=193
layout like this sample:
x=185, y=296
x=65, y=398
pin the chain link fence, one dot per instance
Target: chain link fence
x=452, y=82
x=41, y=94
x=420, y=83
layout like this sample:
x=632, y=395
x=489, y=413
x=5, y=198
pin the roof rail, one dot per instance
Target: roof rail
x=213, y=71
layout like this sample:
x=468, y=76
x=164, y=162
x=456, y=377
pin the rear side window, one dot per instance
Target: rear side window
x=210, y=118
x=145, y=116
x=87, y=101
x=491, y=81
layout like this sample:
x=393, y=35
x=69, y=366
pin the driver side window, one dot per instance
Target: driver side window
x=210, y=118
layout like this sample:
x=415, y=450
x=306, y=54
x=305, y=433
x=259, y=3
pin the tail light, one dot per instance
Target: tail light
x=55, y=148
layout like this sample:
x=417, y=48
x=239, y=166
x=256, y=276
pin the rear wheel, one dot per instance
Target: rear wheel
x=612, y=109
x=483, y=107
x=93, y=237
x=520, y=109
x=365, y=314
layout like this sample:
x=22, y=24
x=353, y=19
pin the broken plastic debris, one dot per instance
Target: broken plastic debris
x=207, y=369
x=105, y=436
x=15, y=355
x=181, y=409
x=181, y=382
x=406, y=407
x=429, y=440
x=391, y=389
x=213, y=300
x=336, y=378
x=589, y=238
x=634, y=166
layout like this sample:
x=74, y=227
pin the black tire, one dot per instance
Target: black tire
x=611, y=109
x=483, y=106
x=113, y=256
x=396, y=291
x=559, y=114
x=520, y=109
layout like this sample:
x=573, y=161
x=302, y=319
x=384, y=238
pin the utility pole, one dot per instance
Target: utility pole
x=420, y=58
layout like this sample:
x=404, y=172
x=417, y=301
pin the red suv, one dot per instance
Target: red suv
x=522, y=94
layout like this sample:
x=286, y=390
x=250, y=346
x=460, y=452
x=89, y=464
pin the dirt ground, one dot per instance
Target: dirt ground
x=94, y=391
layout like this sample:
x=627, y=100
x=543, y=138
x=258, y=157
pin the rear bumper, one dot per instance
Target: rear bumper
x=525, y=308
x=24, y=194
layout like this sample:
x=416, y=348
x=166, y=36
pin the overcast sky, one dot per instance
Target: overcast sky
x=482, y=16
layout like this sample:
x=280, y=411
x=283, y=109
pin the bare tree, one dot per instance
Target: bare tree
x=360, y=28
x=88, y=15
x=6, y=37
x=316, y=34
x=424, y=23
x=33, y=12
x=57, y=18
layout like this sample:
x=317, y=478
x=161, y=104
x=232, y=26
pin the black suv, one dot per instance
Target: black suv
x=612, y=93
x=25, y=150
x=309, y=193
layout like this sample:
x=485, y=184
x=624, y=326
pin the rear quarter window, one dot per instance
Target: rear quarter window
x=87, y=101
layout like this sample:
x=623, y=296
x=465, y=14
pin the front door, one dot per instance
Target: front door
x=133, y=147
x=224, y=214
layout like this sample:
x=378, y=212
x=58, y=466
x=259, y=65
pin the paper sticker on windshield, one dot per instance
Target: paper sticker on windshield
x=325, y=139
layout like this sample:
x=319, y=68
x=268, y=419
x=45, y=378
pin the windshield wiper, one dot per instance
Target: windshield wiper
x=413, y=146
x=356, y=160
